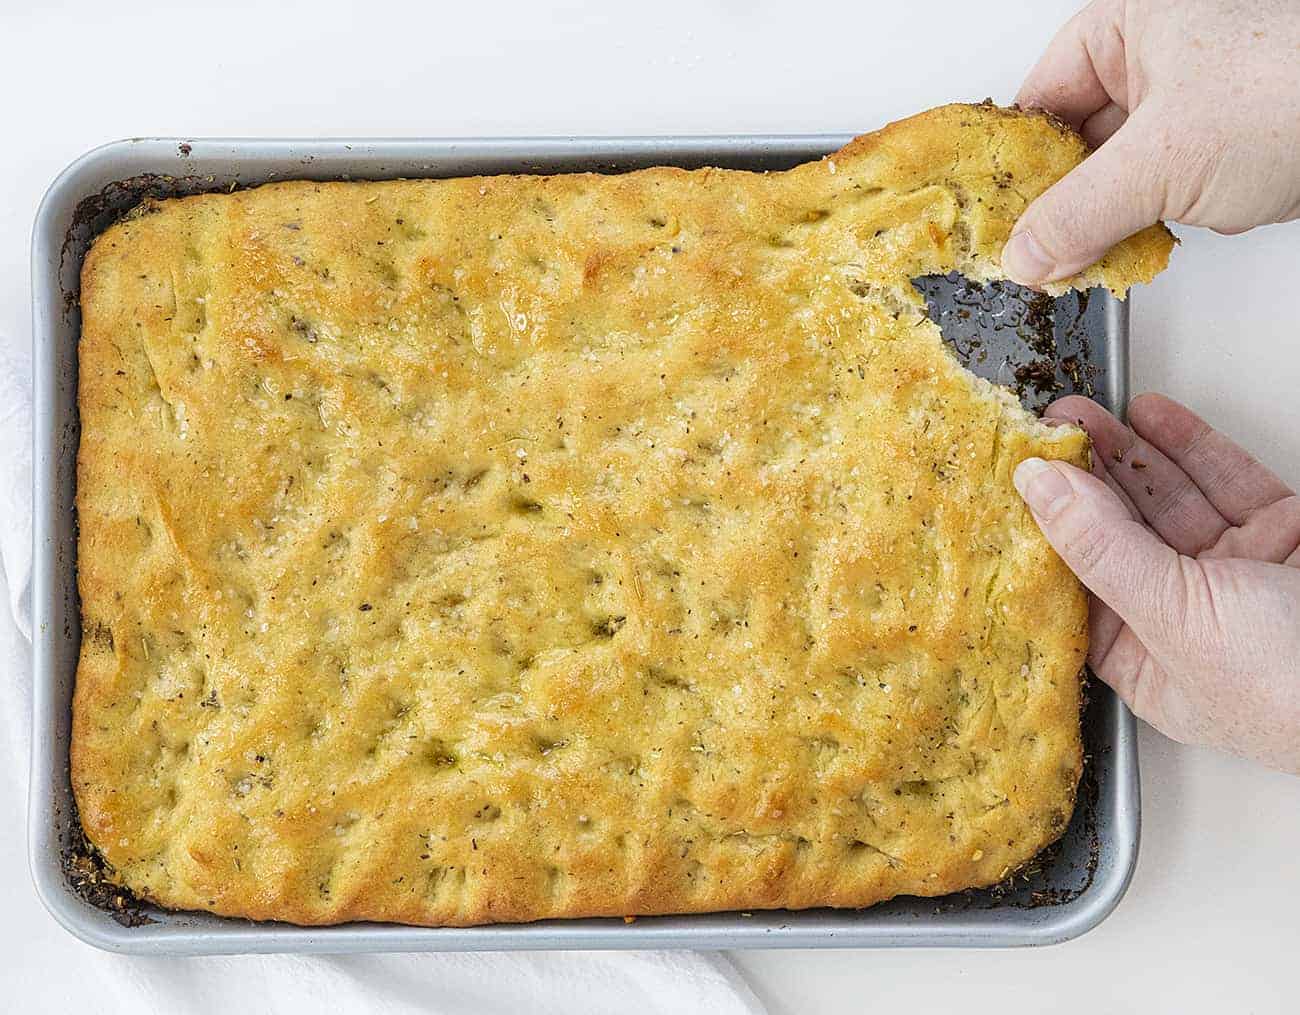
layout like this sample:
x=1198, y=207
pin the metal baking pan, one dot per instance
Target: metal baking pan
x=1072, y=343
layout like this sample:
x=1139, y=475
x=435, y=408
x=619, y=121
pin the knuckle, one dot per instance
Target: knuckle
x=1185, y=167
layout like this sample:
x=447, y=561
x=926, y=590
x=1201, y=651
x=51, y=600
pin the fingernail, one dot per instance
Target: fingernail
x=1043, y=487
x=1025, y=260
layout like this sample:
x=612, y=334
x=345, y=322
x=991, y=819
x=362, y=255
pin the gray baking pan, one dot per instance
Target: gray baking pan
x=1038, y=345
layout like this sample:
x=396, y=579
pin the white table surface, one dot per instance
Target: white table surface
x=1212, y=921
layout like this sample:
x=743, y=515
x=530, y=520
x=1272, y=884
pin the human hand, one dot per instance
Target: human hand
x=1195, y=105
x=1191, y=549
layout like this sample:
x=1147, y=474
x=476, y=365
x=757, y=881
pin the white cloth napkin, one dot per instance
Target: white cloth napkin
x=489, y=983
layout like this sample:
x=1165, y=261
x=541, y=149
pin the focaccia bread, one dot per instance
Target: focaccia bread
x=495, y=549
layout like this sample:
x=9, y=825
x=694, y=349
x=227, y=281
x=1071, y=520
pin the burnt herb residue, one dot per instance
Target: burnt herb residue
x=1040, y=375
x=1075, y=371
x=1032, y=343
x=1037, y=327
x=90, y=877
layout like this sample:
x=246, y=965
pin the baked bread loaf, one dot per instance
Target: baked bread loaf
x=476, y=550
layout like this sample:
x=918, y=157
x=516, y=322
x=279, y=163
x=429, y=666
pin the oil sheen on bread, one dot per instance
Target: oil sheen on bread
x=478, y=550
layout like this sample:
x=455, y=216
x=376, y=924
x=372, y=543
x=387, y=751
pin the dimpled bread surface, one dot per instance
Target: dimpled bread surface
x=477, y=550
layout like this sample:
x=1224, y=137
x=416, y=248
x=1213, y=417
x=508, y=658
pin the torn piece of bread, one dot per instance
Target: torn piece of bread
x=968, y=172
x=476, y=550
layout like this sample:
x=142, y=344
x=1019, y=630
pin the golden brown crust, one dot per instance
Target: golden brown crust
x=496, y=549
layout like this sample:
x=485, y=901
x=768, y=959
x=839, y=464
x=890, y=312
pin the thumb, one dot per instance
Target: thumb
x=1113, y=193
x=1122, y=562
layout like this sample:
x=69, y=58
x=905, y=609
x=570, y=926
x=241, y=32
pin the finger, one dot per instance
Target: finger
x=1074, y=408
x=1123, y=563
x=1229, y=476
x=1098, y=128
x=1272, y=533
x=1061, y=411
x=1110, y=195
x=1162, y=493
x=1101, y=472
x=1081, y=68
x=1104, y=623
x=1061, y=418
